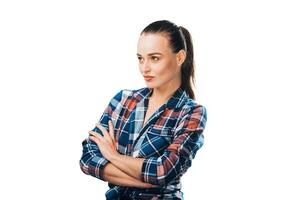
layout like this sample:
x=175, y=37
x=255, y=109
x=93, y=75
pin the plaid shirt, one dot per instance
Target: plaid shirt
x=168, y=141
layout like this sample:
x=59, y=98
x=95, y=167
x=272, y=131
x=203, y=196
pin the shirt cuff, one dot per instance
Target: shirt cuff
x=96, y=166
x=149, y=172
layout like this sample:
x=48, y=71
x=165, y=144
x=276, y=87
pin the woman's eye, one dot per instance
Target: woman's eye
x=155, y=58
x=140, y=60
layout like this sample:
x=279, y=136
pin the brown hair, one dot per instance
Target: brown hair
x=179, y=38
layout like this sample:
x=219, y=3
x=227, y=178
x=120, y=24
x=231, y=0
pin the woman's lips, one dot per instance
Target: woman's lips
x=148, y=78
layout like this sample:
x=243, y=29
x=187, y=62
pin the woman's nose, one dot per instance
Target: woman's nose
x=146, y=66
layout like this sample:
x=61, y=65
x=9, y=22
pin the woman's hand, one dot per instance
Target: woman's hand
x=105, y=143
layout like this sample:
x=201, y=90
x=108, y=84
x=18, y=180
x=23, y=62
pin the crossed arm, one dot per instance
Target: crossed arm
x=114, y=175
x=117, y=169
x=127, y=167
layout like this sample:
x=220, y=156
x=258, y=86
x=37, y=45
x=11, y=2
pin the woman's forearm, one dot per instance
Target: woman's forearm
x=115, y=176
x=127, y=164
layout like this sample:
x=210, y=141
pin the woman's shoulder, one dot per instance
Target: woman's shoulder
x=192, y=106
x=127, y=93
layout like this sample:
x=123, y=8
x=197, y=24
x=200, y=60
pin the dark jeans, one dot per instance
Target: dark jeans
x=134, y=195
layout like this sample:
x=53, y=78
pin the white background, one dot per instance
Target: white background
x=62, y=61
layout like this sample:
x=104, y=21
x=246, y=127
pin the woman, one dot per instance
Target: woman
x=146, y=138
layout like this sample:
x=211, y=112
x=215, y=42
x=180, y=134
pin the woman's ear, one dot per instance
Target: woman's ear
x=181, y=55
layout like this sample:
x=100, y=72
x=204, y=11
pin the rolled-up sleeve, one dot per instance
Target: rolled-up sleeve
x=177, y=158
x=92, y=161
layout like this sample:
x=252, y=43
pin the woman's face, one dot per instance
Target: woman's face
x=157, y=59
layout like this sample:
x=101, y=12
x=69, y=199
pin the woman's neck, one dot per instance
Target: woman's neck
x=161, y=95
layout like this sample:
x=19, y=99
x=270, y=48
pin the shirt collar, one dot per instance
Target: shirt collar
x=177, y=100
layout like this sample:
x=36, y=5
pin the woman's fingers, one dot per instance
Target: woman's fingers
x=94, y=139
x=105, y=133
x=108, y=136
x=111, y=130
x=95, y=134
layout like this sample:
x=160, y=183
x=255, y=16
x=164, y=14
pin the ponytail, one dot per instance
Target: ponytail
x=187, y=75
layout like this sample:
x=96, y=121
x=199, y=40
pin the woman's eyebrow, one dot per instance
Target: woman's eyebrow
x=150, y=54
